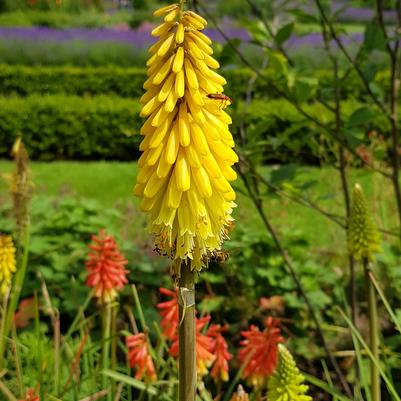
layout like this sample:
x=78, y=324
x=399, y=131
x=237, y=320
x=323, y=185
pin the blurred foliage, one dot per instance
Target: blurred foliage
x=74, y=52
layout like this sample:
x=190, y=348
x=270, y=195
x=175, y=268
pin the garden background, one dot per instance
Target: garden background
x=311, y=84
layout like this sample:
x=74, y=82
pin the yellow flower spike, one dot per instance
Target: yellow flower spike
x=7, y=262
x=362, y=237
x=186, y=165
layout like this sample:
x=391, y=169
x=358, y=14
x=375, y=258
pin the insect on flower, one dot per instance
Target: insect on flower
x=225, y=100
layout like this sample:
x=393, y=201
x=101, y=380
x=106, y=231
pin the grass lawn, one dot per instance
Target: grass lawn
x=111, y=183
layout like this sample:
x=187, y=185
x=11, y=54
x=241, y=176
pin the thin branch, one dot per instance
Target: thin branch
x=281, y=93
x=349, y=58
x=258, y=204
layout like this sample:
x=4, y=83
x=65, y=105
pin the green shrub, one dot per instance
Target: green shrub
x=60, y=19
x=22, y=80
x=71, y=52
x=104, y=127
x=70, y=127
x=127, y=82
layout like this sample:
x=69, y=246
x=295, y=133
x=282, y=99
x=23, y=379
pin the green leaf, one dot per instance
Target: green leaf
x=360, y=116
x=284, y=33
x=210, y=304
x=130, y=381
x=374, y=38
x=283, y=173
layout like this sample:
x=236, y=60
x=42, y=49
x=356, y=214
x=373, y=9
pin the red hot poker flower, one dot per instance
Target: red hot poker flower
x=30, y=395
x=204, y=347
x=261, y=350
x=220, y=350
x=169, y=313
x=139, y=357
x=105, y=267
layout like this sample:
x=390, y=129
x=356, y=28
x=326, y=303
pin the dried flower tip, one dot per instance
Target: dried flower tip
x=7, y=262
x=240, y=394
x=363, y=237
x=287, y=382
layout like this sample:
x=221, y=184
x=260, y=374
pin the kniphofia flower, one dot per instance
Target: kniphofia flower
x=185, y=168
x=287, y=382
x=7, y=262
x=105, y=267
x=363, y=237
x=205, y=345
x=169, y=312
x=30, y=395
x=219, y=370
x=139, y=357
x=259, y=351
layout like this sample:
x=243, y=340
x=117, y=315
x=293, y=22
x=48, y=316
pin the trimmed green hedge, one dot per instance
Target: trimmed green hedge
x=70, y=127
x=23, y=80
x=127, y=82
x=107, y=127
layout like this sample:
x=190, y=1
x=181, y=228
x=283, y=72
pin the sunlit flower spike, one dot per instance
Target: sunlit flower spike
x=186, y=165
x=106, y=273
x=7, y=262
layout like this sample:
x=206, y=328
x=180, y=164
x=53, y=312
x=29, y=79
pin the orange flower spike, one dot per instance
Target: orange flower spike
x=204, y=347
x=263, y=348
x=220, y=366
x=169, y=312
x=30, y=395
x=106, y=272
x=140, y=358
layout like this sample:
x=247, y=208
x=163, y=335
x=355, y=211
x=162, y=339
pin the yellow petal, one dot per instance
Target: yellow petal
x=173, y=193
x=202, y=182
x=163, y=72
x=192, y=156
x=202, y=36
x=180, y=84
x=183, y=126
x=154, y=185
x=164, y=10
x=199, y=140
x=211, y=166
x=166, y=88
x=192, y=48
x=165, y=47
x=179, y=35
x=172, y=15
x=178, y=60
x=149, y=107
x=173, y=144
x=163, y=168
x=162, y=29
x=170, y=102
x=182, y=172
x=192, y=80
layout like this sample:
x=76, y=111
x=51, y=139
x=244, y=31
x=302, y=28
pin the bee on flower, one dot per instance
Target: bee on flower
x=186, y=165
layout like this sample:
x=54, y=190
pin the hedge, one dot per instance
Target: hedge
x=102, y=127
x=70, y=127
x=127, y=82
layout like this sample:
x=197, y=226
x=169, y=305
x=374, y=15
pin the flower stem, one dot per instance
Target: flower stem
x=106, y=320
x=373, y=332
x=187, y=335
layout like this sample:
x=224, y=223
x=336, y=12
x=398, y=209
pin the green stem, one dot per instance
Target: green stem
x=373, y=332
x=187, y=334
x=14, y=296
x=106, y=321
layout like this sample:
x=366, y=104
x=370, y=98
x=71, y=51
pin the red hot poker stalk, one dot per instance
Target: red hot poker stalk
x=263, y=348
x=139, y=357
x=169, y=312
x=106, y=273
